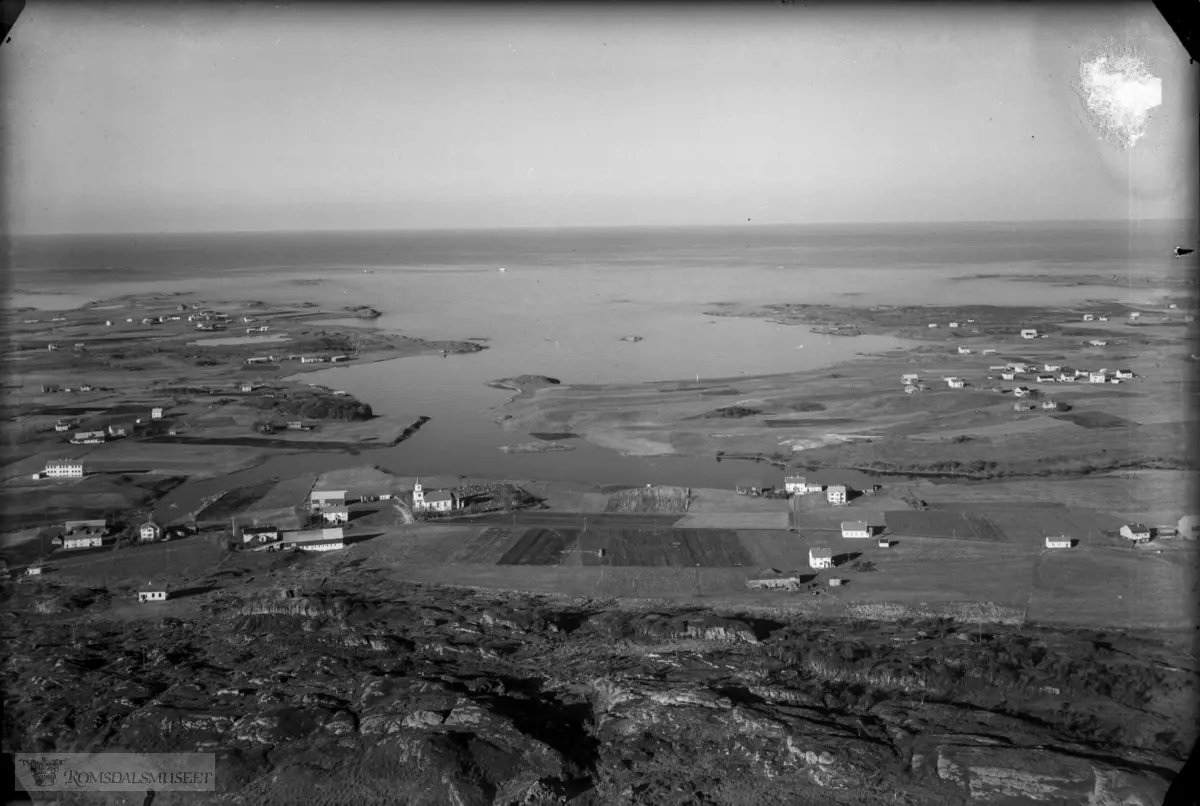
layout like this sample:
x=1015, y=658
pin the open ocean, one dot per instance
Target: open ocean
x=568, y=297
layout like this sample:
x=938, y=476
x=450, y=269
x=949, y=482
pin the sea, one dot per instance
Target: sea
x=567, y=298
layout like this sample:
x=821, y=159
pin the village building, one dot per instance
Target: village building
x=1045, y=379
x=1008, y=376
x=1097, y=343
x=156, y=413
x=324, y=499
x=108, y=323
x=1103, y=318
x=956, y=383
x=83, y=541
x=1134, y=314
x=954, y=324
x=1097, y=377
x=149, y=531
x=1060, y=542
x=856, y=529
x=80, y=346
x=1087, y=317
x=964, y=350
x=440, y=501
x=1023, y=407
x=153, y=593
x=93, y=526
x=117, y=431
x=884, y=543
x=1019, y=366
x=990, y=351
x=1029, y=333
x=1066, y=377
x=52, y=346
x=248, y=387
x=910, y=389
x=1049, y=405
x=258, y=359
x=64, y=426
x=335, y=359
x=932, y=324
x=88, y=437
x=64, y=469
x=34, y=571
x=1124, y=373
x=910, y=377
x=800, y=485
x=1022, y=391
x=1052, y=367
x=820, y=557
x=836, y=582
x=260, y=534
x=335, y=515
x=315, y=540
x=1137, y=532
x=836, y=494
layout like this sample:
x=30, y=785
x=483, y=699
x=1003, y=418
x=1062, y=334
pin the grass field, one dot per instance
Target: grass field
x=1096, y=587
x=728, y=501
x=488, y=546
x=730, y=520
x=286, y=493
x=235, y=501
x=665, y=547
x=540, y=547
x=942, y=523
x=782, y=551
x=194, y=555
x=1024, y=525
x=649, y=499
x=1095, y=419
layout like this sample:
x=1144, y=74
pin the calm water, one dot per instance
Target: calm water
x=568, y=296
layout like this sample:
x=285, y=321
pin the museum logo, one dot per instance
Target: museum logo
x=116, y=772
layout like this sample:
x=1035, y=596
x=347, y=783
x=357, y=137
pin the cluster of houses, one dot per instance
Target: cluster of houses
x=303, y=359
x=50, y=388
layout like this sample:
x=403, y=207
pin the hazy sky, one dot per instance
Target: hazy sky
x=158, y=117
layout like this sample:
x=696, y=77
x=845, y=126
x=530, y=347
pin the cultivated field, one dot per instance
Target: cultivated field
x=730, y=520
x=649, y=499
x=540, y=547
x=235, y=501
x=666, y=547
x=286, y=493
x=706, y=501
x=194, y=555
x=942, y=523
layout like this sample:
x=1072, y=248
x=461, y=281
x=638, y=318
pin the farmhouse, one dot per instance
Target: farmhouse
x=1049, y=405
x=1097, y=377
x=150, y=530
x=248, y=387
x=1124, y=374
x=1134, y=314
x=117, y=431
x=835, y=582
x=87, y=437
x=315, y=540
x=64, y=469
x=990, y=351
x=335, y=514
x=1022, y=391
x=910, y=389
x=156, y=413
x=1019, y=366
x=260, y=534
x=324, y=499
x=1060, y=542
x=1045, y=379
x=48, y=388
x=86, y=541
x=153, y=593
x=910, y=377
x=1066, y=377
x=1008, y=376
x=440, y=501
x=258, y=359
x=956, y=383
x=836, y=494
x=34, y=571
x=856, y=529
x=1137, y=532
x=800, y=485
x=932, y=324
x=51, y=346
x=1097, y=343
x=953, y=324
x=964, y=350
x=1103, y=318
x=820, y=557
x=1029, y=333
x=1087, y=317
x=80, y=347
x=1052, y=367
x=1023, y=406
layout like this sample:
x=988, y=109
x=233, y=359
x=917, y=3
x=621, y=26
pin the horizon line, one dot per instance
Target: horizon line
x=577, y=227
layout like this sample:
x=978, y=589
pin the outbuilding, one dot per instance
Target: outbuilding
x=964, y=350
x=1029, y=333
x=323, y=499
x=315, y=540
x=1060, y=542
x=153, y=593
x=800, y=485
x=1137, y=532
x=854, y=529
x=335, y=515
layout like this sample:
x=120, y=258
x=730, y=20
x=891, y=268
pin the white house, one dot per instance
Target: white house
x=1124, y=373
x=800, y=485
x=1045, y=379
x=1097, y=343
x=964, y=350
x=1066, y=377
x=315, y=540
x=910, y=377
x=440, y=501
x=1097, y=377
x=1052, y=367
x=1029, y=333
x=954, y=324
x=1019, y=366
x=34, y=571
x=1137, y=532
x=1103, y=318
x=836, y=494
x=335, y=515
x=990, y=351
x=323, y=499
x=956, y=383
x=1049, y=405
x=1008, y=376
x=156, y=413
x=1060, y=542
x=933, y=324
x=910, y=389
x=1022, y=391
x=1087, y=317
x=1134, y=314
x=150, y=531
x=820, y=557
x=64, y=469
x=84, y=541
x=153, y=593
x=247, y=387
x=856, y=529
x=88, y=437
x=1023, y=406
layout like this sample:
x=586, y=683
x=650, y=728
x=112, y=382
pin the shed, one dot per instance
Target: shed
x=835, y=583
x=315, y=539
x=884, y=543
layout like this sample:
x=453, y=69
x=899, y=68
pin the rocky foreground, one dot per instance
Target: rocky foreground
x=431, y=696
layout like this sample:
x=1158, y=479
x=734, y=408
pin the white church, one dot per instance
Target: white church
x=440, y=501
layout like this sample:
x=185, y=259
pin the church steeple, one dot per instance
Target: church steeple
x=418, y=495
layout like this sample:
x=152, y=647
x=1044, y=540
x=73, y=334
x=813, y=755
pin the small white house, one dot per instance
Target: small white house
x=156, y=413
x=884, y=543
x=1019, y=366
x=856, y=529
x=1097, y=343
x=336, y=515
x=954, y=324
x=1124, y=374
x=1134, y=314
x=153, y=593
x=1022, y=391
x=150, y=531
x=1029, y=333
x=1066, y=377
x=1087, y=317
x=1045, y=379
x=910, y=389
x=964, y=350
x=1008, y=376
x=932, y=324
x=800, y=485
x=1137, y=532
x=956, y=383
x=1103, y=318
x=1060, y=542
x=34, y=571
x=836, y=494
x=820, y=557
x=910, y=377
x=1097, y=377
x=1052, y=367
x=1049, y=405
x=990, y=351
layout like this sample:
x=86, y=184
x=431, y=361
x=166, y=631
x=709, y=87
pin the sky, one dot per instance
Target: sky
x=148, y=117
